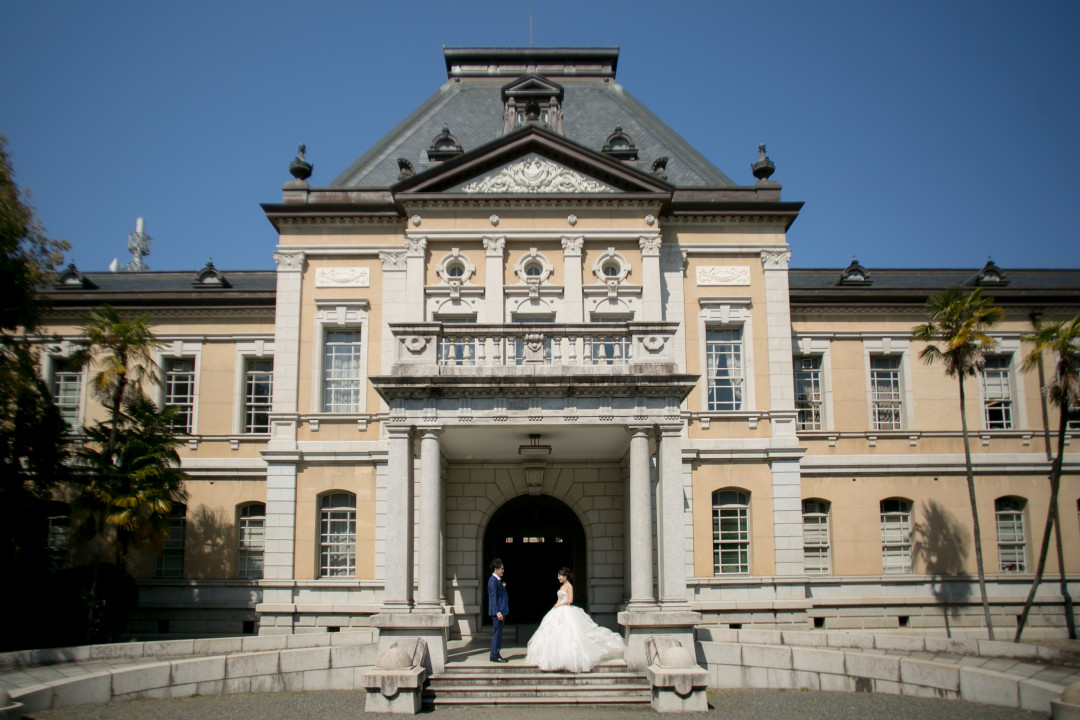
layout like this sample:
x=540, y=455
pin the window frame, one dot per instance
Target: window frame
x=891, y=547
x=1004, y=404
x=246, y=555
x=181, y=350
x=727, y=314
x=340, y=316
x=174, y=546
x=817, y=407
x=1018, y=520
x=257, y=349
x=891, y=347
x=62, y=364
x=741, y=544
x=820, y=511
x=325, y=536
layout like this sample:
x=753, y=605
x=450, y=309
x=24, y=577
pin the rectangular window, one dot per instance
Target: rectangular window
x=67, y=390
x=885, y=397
x=997, y=393
x=816, y=537
x=896, y=536
x=56, y=540
x=170, y=561
x=337, y=535
x=180, y=391
x=808, y=392
x=258, y=395
x=341, y=372
x=724, y=360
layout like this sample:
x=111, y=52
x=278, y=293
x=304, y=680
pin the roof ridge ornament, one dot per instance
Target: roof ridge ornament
x=659, y=168
x=300, y=168
x=764, y=167
x=405, y=169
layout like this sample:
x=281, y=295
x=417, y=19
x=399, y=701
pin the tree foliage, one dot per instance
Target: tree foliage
x=957, y=336
x=1061, y=340
x=27, y=256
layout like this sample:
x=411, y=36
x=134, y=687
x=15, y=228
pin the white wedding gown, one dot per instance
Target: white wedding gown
x=569, y=640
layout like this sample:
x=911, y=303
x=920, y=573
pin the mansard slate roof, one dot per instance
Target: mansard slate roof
x=470, y=105
x=243, y=287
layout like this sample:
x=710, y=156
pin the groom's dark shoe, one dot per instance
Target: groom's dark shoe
x=499, y=659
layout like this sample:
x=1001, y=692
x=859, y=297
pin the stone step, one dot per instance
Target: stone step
x=484, y=694
x=503, y=679
x=523, y=669
x=623, y=699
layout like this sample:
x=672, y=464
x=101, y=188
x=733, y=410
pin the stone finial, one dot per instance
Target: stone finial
x=405, y=169
x=764, y=167
x=300, y=168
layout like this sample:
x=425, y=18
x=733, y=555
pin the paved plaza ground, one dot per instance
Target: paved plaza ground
x=728, y=705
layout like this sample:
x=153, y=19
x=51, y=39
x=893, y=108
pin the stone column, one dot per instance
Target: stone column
x=431, y=503
x=651, y=290
x=494, y=253
x=573, y=299
x=397, y=592
x=415, y=257
x=641, y=550
x=784, y=456
x=671, y=520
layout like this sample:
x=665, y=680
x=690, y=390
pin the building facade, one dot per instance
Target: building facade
x=532, y=322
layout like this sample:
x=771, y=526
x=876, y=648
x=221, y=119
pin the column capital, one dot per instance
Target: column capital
x=415, y=246
x=650, y=245
x=670, y=429
x=494, y=246
x=638, y=429
x=392, y=260
x=572, y=244
x=429, y=431
x=775, y=259
x=399, y=431
x=290, y=261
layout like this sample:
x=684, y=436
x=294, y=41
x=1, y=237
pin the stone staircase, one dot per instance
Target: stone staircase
x=520, y=684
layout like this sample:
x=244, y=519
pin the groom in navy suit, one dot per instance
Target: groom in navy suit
x=498, y=608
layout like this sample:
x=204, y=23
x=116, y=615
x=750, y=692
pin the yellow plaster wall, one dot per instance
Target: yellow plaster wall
x=755, y=478
x=314, y=481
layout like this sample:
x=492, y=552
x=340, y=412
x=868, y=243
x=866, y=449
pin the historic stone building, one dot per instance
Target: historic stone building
x=533, y=322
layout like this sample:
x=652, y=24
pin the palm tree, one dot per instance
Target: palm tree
x=960, y=321
x=1061, y=339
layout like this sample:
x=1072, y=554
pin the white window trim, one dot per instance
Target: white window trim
x=250, y=350
x=336, y=315
x=890, y=347
x=1007, y=346
x=727, y=313
x=1024, y=543
x=177, y=350
x=63, y=351
x=819, y=347
x=828, y=534
x=910, y=539
x=749, y=531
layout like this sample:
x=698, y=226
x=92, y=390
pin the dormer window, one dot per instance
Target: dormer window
x=620, y=146
x=444, y=146
x=991, y=275
x=854, y=274
x=532, y=99
x=71, y=278
x=210, y=277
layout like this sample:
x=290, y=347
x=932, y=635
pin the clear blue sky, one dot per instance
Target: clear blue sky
x=919, y=134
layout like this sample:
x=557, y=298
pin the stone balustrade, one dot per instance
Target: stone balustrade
x=580, y=346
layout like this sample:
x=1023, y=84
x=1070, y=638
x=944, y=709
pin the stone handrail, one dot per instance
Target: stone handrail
x=577, y=345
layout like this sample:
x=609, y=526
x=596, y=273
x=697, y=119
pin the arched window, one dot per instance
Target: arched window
x=1011, y=537
x=170, y=561
x=731, y=532
x=337, y=535
x=816, y=536
x=251, y=540
x=896, y=535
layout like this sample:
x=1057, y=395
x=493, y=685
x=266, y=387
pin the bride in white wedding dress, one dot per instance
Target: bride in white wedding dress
x=568, y=639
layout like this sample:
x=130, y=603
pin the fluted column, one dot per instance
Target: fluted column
x=397, y=593
x=671, y=520
x=431, y=501
x=641, y=550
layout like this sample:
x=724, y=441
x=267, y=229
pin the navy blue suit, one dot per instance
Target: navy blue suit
x=498, y=602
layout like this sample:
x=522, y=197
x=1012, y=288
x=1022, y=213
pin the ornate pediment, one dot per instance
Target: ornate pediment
x=535, y=174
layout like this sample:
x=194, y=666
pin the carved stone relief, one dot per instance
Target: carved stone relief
x=342, y=277
x=723, y=275
x=535, y=174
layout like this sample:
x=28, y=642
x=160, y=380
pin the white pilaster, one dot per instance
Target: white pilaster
x=494, y=254
x=671, y=520
x=280, y=521
x=787, y=517
x=393, y=305
x=415, y=257
x=573, y=299
x=778, y=332
x=431, y=503
x=397, y=592
x=651, y=290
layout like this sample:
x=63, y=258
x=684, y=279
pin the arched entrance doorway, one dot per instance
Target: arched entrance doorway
x=535, y=535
